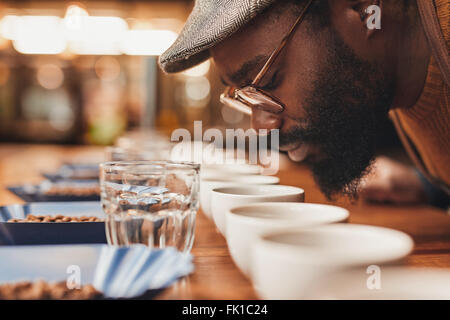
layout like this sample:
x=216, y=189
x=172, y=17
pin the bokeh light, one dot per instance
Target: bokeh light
x=50, y=76
x=198, y=71
x=107, y=68
x=197, y=89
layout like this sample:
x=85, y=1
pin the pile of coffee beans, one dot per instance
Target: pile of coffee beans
x=42, y=290
x=57, y=218
x=73, y=191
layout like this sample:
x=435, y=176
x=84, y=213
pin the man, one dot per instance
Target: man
x=325, y=75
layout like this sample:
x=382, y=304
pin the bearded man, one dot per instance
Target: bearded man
x=326, y=76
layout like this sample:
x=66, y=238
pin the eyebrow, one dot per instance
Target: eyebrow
x=241, y=76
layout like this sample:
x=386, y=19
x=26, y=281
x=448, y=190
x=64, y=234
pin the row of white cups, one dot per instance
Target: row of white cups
x=290, y=249
x=295, y=250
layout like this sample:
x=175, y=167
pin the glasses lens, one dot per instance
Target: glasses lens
x=235, y=104
x=259, y=99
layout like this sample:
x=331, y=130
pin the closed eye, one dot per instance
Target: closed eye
x=273, y=83
x=223, y=82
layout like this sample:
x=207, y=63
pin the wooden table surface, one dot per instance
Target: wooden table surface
x=215, y=275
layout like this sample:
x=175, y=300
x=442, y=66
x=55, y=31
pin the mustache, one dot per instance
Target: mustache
x=299, y=134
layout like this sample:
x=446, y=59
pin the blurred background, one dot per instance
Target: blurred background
x=85, y=72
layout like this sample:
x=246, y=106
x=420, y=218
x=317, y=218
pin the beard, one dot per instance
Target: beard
x=344, y=112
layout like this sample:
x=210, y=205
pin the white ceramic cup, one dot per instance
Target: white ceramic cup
x=223, y=180
x=285, y=264
x=245, y=223
x=225, y=198
x=385, y=283
x=209, y=170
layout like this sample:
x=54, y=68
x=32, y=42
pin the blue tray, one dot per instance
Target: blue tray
x=75, y=171
x=25, y=233
x=34, y=193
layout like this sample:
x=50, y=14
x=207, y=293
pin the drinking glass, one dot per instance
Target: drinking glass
x=150, y=202
x=130, y=154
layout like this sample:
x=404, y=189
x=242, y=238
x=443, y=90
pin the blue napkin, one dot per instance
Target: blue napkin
x=126, y=272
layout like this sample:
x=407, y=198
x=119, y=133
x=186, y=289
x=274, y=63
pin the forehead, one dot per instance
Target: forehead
x=244, y=53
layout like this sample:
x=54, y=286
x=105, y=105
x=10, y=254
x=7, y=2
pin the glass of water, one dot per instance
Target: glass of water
x=150, y=202
x=124, y=154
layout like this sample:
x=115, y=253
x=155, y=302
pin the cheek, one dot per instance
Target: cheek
x=293, y=93
x=301, y=70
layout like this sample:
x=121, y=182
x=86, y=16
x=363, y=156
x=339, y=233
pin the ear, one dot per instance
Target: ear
x=369, y=12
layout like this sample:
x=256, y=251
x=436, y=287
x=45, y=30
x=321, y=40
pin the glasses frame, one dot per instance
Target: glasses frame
x=249, y=97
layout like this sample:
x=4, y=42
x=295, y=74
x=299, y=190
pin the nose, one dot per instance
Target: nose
x=265, y=120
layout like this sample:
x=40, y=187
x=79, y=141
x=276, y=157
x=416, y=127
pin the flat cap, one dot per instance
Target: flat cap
x=210, y=22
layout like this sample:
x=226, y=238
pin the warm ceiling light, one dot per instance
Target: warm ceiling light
x=87, y=35
x=39, y=35
x=98, y=35
x=147, y=42
x=74, y=17
x=9, y=26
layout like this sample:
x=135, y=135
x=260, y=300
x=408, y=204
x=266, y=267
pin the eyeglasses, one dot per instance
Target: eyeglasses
x=249, y=97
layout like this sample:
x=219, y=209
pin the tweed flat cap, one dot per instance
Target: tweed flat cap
x=210, y=22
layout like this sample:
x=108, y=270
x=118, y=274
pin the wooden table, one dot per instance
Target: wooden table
x=215, y=276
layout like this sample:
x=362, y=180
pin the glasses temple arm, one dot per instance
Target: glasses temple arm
x=283, y=42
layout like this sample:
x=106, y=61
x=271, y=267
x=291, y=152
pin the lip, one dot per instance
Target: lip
x=300, y=153
x=290, y=147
